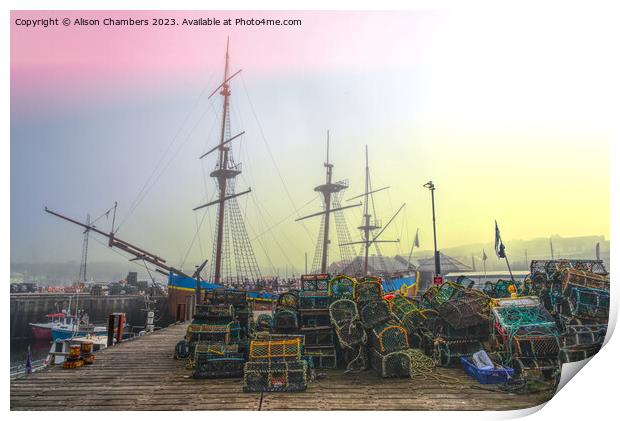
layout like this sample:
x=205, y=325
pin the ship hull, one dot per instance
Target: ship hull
x=41, y=332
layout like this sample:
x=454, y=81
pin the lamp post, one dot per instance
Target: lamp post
x=431, y=187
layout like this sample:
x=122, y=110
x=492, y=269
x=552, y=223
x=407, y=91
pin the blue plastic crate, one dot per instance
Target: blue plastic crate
x=487, y=376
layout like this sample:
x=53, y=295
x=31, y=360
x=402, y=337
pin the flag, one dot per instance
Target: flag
x=28, y=362
x=416, y=242
x=484, y=256
x=598, y=251
x=499, y=246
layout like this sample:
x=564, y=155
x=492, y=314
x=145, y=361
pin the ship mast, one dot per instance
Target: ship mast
x=225, y=172
x=327, y=190
x=370, y=225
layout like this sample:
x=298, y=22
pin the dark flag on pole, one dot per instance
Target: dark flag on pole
x=598, y=251
x=484, y=256
x=416, y=242
x=29, y=362
x=500, y=250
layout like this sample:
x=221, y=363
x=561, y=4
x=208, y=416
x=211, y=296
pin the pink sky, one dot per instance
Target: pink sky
x=73, y=59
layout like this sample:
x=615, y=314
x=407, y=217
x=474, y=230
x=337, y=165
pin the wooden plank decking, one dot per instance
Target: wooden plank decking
x=142, y=375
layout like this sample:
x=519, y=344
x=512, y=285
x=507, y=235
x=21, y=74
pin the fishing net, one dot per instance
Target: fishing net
x=313, y=299
x=589, y=303
x=410, y=363
x=285, y=321
x=373, y=313
x=389, y=337
x=264, y=322
x=276, y=348
x=341, y=287
x=368, y=291
x=280, y=376
x=579, y=278
x=448, y=352
x=469, y=309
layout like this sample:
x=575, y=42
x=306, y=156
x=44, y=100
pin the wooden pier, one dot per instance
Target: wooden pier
x=143, y=375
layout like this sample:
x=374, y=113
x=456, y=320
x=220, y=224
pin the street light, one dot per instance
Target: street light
x=431, y=187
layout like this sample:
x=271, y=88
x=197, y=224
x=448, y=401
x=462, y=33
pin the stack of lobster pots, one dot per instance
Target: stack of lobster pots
x=314, y=321
x=584, y=313
x=345, y=319
x=576, y=293
x=526, y=337
x=388, y=339
x=276, y=364
x=452, y=322
x=216, y=340
x=286, y=315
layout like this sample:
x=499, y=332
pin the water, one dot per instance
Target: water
x=19, y=350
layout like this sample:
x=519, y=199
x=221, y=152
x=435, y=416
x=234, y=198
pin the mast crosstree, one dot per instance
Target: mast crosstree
x=370, y=224
x=331, y=193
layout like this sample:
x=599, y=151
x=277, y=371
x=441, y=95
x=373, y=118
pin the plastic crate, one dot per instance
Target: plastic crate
x=487, y=376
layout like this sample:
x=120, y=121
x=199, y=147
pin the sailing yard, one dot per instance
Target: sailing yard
x=143, y=375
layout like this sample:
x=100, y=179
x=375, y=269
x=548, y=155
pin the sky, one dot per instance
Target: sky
x=508, y=113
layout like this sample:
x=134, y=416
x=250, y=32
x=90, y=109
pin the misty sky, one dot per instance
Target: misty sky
x=507, y=114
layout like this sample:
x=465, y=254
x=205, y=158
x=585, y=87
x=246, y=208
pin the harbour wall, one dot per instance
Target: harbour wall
x=32, y=307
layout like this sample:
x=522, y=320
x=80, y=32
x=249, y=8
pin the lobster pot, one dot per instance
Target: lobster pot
x=584, y=336
x=445, y=330
x=368, y=291
x=264, y=322
x=355, y=359
x=206, y=313
x=220, y=332
x=449, y=352
x=571, y=355
x=283, y=376
x=429, y=297
x=318, y=336
x=374, y=313
x=314, y=318
x=314, y=299
x=467, y=311
x=447, y=291
x=578, y=278
x=398, y=364
x=351, y=333
x=276, y=348
x=210, y=366
x=288, y=300
x=531, y=346
x=226, y=296
x=315, y=282
x=341, y=287
x=589, y=303
x=546, y=369
x=181, y=350
x=428, y=320
x=285, y=321
x=321, y=356
x=465, y=281
x=341, y=310
x=215, y=348
x=389, y=337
